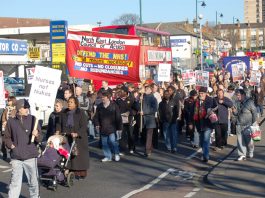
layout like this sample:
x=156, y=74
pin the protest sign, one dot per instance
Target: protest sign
x=254, y=78
x=45, y=85
x=202, y=78
x=98, y=56
x=30, y=74
x=2, y=91
x=164, y=72
x=238, y=71
x=188, y=78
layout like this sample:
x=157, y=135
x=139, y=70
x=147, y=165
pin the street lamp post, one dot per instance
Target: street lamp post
x=233, y=40
x=216, y=29
x=140, y=5
x=203, y=4
x=200, y=17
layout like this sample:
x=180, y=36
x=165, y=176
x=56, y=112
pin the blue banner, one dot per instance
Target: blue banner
x=230, y=60
x=58, y=31
x=13, y=47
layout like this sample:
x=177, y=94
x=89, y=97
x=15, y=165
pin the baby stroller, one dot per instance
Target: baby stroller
x=53, y=162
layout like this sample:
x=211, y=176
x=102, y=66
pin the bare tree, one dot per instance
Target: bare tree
x=127, y=19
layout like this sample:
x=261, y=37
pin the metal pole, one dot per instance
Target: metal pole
x=140, y=4
x=196, y=30
x=201, y=46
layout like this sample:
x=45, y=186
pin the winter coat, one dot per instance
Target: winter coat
x=168, y=111
x=108, y=119
x=81, y=161
x=246, y=112
x=222, y=111
x=19, y=132
x=188, y=109
x=204, y=123
x=51, y=128
x=149, y=110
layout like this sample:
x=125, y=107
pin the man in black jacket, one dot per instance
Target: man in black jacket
x=24, y=153
x=109, y=122
x=222, y=126
x=168, y=113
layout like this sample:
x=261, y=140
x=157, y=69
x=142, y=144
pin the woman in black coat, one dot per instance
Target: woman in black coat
x=73, y=123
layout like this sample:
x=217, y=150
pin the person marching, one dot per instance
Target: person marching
x=18, y=134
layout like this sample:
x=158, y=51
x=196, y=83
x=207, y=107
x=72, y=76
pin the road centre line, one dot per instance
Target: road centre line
x=155, y=181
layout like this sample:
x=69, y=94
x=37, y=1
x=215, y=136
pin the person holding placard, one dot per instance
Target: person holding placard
x=18, y=134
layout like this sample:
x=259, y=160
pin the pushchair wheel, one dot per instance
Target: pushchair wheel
x=70, y=179
x=54, y=184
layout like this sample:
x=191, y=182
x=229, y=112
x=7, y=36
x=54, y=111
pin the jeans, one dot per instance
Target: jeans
x=260, y=109
x=31, y=170
x=109, y=143
x=205, y=142
x=244, y=141
x=170, y=135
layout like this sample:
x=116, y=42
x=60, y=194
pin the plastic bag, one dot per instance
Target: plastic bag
x=255, y=133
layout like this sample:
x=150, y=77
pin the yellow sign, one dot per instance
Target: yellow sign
x=34, y=53
x=58, y=52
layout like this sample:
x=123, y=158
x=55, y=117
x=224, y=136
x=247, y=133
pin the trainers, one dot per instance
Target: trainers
x=117, y=158
x=121, y=154
x=251, y=155
x=131, y=152
x=174, y=150
x=231, y=134
x=106, y=160
x=240, y=158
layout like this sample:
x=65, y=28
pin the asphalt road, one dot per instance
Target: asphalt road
x=162, y=175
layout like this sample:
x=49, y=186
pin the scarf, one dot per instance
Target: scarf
x=200, y=111
x=70, y=119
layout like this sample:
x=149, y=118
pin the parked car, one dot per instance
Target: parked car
x=14, y=87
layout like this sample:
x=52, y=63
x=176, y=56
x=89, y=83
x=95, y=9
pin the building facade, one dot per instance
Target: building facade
x=254, y=11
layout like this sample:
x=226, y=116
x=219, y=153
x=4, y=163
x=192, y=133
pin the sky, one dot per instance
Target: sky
x=78, y=12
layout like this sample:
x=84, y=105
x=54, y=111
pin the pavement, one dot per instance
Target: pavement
x=243, y=178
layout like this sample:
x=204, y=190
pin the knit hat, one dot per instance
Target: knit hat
x=203, y=89
x=22, y=103
x=193, y=93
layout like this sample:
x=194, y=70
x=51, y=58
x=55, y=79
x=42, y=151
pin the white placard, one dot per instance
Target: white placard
x=30, y=74
x=45, y=85
x=2, y=91
x=164, y=72
x=255, y=65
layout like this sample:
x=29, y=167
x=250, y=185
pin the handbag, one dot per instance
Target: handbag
x=213, y=118
x=255, y=133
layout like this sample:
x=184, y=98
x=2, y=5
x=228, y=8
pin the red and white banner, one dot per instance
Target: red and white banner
x=101, y=56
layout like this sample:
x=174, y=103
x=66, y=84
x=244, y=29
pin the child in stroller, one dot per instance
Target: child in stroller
x=53, y=162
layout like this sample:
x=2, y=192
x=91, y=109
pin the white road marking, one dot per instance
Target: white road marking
x=194, y=191
x=194, y=154
x=155, y=181
x=8, y=170
x=93, y=142
x=190, y=194
x=4, y=166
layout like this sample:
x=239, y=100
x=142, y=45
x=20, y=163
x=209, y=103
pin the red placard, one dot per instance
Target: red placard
x=101, y=56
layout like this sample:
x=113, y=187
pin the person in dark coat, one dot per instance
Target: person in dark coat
x=149, y=120
x=73, y=123
x=168, y=113
x=108, y=121
x=203, y=125
x=188, y=109
x=54, y=118
x=221, y=127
